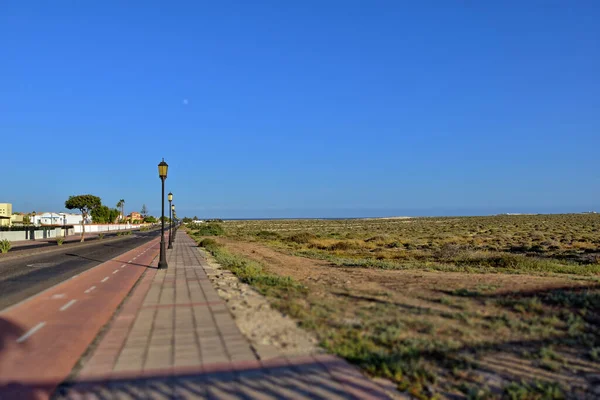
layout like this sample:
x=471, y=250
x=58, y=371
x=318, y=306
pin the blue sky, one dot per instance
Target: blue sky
x=303, y=108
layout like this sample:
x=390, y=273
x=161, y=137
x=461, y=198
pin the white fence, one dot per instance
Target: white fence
x=94, y=228
x=15, y=236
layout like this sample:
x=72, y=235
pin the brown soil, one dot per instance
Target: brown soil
x=410, y=283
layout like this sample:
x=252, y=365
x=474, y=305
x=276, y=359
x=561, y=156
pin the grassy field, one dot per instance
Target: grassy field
x=474, y=307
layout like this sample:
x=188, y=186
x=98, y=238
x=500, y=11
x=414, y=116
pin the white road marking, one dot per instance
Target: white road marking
x=90, y=289
x=69, y=304
x=123, y=266
x=115, y=271
x=104, y=280
x=58, y=296
x=31, y=332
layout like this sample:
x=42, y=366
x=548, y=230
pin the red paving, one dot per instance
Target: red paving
x=42, y=338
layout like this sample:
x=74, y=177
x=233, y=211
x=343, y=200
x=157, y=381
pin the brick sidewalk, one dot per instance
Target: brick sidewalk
x=175, y=338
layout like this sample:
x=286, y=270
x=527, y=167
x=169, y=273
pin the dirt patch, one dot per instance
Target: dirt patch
x=403, y=282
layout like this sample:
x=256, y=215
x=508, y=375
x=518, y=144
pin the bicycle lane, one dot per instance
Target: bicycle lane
x=43, y=337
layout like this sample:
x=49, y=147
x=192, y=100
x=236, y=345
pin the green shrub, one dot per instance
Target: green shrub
x=209, y=244
x=342, y=245
x=301, y=237
x=119, y=233
x=448, y=251
x=210, y=229
x=534, y=390
x=268, y=235
x=4, y=246
x=101, y=236
x=60, y=241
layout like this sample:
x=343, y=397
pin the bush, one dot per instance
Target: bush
x=4, y=246
x=377, y=238
x=343, y=246
x=101, y=236
x=301, y=238
x=210, y=229
x=209, y=244
x=60, y=241
x=268, y=235
x=448, y=251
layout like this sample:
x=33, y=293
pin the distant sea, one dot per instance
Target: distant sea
x=362, y=214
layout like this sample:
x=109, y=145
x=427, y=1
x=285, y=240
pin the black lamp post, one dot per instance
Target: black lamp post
x=163, y=167
x=170, y=196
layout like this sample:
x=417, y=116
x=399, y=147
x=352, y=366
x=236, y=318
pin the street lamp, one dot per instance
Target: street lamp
x=163, y=167
x=172, y=218
x=33, y=227
x=170, y=196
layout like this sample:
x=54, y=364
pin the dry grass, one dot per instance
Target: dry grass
x=393, y=297
x=533, y=244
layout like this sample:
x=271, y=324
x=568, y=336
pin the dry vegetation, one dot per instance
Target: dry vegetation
x=485, y=307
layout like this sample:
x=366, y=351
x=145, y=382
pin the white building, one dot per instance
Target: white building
x=50, y=218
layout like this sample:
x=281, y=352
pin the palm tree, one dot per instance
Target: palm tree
x=121, y=205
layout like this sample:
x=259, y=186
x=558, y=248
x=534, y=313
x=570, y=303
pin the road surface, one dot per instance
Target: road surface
x=26, y=276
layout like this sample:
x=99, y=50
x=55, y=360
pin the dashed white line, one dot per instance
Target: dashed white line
x=90, y=289
x=69, y=304
x=123, y=266
x=104, y=280
x=58, y=296
x=115, y=271
x=31, y=332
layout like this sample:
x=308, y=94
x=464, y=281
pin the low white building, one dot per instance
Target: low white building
x=50, y=218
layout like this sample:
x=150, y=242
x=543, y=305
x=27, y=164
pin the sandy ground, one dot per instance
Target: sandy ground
x=271, y=334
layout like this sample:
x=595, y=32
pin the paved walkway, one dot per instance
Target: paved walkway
x=175, y=338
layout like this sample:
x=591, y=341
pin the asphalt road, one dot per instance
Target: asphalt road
x=25, y=276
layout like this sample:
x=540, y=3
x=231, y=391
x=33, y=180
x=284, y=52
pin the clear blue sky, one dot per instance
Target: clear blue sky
x=302, y=108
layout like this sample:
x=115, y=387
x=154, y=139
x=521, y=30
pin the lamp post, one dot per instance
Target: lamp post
x=172, y=218
x=170, y=196
x=163, y=167
x=33, y=227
